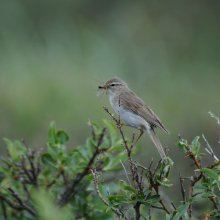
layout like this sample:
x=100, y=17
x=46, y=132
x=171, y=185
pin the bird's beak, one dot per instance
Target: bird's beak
x=103, y=87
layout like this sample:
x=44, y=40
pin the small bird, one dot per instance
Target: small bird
x=133, y=111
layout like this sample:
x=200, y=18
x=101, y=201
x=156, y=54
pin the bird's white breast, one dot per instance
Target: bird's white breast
x=126, y=115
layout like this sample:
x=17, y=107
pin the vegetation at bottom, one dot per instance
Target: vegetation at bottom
x=61, y=184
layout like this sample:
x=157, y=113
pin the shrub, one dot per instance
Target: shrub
x=61, y=184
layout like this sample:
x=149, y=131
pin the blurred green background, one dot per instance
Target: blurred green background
x=167, y=51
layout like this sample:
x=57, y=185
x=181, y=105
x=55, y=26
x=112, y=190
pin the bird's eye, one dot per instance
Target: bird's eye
x=112, y=84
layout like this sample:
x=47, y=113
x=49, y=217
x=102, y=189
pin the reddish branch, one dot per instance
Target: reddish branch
x=207, y=215
x=196, y=179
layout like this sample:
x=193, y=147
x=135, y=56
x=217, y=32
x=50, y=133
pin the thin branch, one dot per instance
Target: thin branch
x=182, y=190
x=22, y=205
x=92, y=128
x=207, y=215
x=126, y=173
x=117, y=212
x=152, y=160
x=174, y=207
x=144, y=217
x=196, y=194
x=213, y=116
x=210, y=151
x=157, y=207
x=155, y=170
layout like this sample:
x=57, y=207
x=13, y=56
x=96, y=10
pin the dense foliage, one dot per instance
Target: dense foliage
x=61, y=184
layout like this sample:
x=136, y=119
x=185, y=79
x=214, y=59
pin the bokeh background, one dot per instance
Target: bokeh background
x=52, y=53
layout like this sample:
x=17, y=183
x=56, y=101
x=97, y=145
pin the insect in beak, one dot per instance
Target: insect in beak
x=100, y=90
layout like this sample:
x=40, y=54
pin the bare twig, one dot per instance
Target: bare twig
x=182, y=190
x=210, y=151
x=126, y=173
x=213, y=116
x=149, y=214
x=92, y=128
x=132, y=141
x=152, y=160
x=117, y=212
x=196, y=194
x=144, y=217
x=155, y=170
x=157, y=207
x=138, y=165
x=173, y=205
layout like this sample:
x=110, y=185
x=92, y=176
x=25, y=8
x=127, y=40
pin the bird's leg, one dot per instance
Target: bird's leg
x=120, y=125
x=141, y=133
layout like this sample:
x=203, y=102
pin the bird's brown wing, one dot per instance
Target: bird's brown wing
x=131, y=101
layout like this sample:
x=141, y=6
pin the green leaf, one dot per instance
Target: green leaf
x=83, y=150
x=117, y=146
x=208, y=194
x=199, y=187
x=2, y=176
x=52, y=133
x=168, y=217
x=109, y=207
x=121, y=184
x=153, y=199
x=181, y=145
x=91, y=144
x=147, y=191
x=10, y=147
x=146, y=174
x=147, y=205
x=62, y=137
x=195, y=141
x=48, y=160
x=195, y=145
x=116, y=198
x=112, y=198
x=212, y=174
x=115, y=161
x=130, y=188
x=112, y=130
x=182, y=209
x=107, y=161
x=162, y=183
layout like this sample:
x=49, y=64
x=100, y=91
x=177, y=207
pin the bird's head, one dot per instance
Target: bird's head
x=113, y=85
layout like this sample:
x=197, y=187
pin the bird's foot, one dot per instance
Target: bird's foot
x=120, y=125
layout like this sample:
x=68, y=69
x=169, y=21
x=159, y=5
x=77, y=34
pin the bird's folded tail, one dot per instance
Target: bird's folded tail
x=157, y=143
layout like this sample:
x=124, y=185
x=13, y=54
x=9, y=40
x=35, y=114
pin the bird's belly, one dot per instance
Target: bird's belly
x=128, y=117
x=131, y=119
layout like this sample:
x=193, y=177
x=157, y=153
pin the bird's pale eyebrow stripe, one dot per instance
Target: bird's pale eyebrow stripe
x=116, y=83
